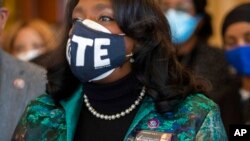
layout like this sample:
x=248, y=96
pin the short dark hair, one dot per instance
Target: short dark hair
x=240, y=13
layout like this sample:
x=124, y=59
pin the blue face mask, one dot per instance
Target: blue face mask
x=182, y=25
x=93, y=52
x=239, y=58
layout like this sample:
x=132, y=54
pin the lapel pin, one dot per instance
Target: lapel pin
x=153, y=123
x=19, y=83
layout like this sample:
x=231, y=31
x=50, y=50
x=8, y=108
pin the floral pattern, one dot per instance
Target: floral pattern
x=196, y=118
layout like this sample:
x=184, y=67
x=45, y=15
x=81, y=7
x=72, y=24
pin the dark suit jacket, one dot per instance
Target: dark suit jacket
x=14, y=97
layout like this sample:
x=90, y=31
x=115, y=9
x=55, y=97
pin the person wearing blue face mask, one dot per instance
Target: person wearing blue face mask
x=182, y=23
x=191, y=28
x=187, y=19
x=236, y=38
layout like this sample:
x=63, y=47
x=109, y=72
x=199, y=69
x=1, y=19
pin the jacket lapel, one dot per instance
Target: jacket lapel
x=72, y=107
x=146, y=107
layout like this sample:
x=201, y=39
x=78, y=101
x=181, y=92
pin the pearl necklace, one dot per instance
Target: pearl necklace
x=118, y=115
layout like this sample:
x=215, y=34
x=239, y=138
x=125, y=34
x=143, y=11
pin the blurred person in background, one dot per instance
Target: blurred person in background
x=19, y=83
x=28, y=40
x=236, y=39
x=191, y=28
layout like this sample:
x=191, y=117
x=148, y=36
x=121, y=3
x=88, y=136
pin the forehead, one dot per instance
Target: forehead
x=92, y=4
x=174, y=3
x=238, y=28
x=27, y=33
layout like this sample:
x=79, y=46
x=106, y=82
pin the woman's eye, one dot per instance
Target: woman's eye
x=105, y=19
x=230, y=42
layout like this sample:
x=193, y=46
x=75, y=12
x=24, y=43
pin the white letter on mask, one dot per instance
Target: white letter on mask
x=82, y=45
x=99, y=52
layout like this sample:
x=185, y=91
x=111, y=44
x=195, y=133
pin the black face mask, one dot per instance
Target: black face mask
x=93, y=52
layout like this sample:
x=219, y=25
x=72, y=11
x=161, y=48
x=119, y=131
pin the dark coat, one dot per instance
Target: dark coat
x=19, y=83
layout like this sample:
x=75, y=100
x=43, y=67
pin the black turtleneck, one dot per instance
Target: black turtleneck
x=108, y=99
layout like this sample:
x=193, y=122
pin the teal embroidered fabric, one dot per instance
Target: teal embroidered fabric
x=43, y=121
x=196, y=118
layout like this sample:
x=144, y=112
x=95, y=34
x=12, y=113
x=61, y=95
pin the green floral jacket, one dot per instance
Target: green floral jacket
x=196, y=118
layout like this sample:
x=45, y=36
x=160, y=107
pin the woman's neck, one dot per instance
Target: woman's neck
x=246, y=83
x=113, y=97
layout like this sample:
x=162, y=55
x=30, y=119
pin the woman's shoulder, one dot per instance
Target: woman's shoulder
x=200, y=100
x=204, y=114
x=42, y=114
x=197, y=104
x=44, y=109
x=45, y=100
x=42, y=104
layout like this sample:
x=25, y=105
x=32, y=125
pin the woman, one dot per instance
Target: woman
x=191, y=26
x=27, y=40
x=130, y=85
x=236, y=38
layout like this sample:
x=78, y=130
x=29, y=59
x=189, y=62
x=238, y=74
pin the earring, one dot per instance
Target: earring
x=131, y=60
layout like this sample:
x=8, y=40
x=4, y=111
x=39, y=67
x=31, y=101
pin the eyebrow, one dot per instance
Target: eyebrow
x=78, y=9
x=102, y=6
x=98, y=7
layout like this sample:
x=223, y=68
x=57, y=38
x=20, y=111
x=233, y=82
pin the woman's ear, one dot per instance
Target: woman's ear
x=4, y=14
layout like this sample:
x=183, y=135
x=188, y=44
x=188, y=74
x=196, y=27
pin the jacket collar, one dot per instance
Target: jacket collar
x=73, y=104
x=72, y=107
